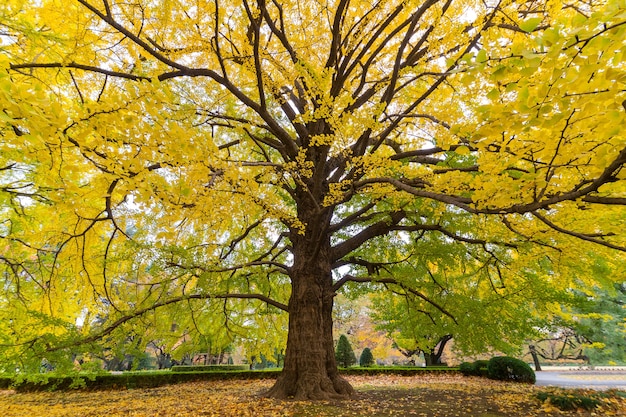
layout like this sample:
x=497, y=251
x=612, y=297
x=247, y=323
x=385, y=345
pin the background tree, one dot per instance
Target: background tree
x=495, y=306
x=602, y=321
x=366, y=358
x=247, y=158
x=344, y=354
x=593, y=330
x=352, y=316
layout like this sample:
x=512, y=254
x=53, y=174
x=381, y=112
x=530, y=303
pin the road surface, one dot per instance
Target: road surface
x=596, y=379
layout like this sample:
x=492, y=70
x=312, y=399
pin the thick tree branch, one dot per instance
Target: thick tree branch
x=619, y=201
x=444, y=231
x=458, y=201
x=377, y=229
x=580, y=191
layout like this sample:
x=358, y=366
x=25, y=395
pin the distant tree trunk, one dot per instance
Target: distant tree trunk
x=533, y=353
x=408, y=353
x=310, y=370
x=433, y=357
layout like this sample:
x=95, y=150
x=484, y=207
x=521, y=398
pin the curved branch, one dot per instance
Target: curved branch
x=377, y=229
x=90, y=68
x=132, y=315
x=581, y=236
x=580, y=191
x=352, y=218
x=231, y=247
x=351, y=278
x=278, y=265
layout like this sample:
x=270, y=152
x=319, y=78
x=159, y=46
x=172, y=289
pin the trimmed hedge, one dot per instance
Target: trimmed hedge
x=130, y=380
x=209, y=368
x=397, y=370
x=506, y=368
x=152, y=379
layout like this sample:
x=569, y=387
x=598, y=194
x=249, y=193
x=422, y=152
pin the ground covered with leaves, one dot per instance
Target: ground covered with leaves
x=377, y=396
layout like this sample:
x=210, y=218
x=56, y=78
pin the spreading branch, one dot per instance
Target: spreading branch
x=382, y=280
x=138, y=313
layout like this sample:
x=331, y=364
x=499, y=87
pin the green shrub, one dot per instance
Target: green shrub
x=466, y=368
x=505, y=368
x=480, y=367
x=476, y=368
x=344, y=355
x=5, y=382
x=397, y=370
x=151, y=379
x=366, y=359
x=127, y=380
x=570, y=402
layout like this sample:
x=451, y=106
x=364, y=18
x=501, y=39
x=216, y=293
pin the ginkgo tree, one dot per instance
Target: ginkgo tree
x=465, y=297
x=253, y=157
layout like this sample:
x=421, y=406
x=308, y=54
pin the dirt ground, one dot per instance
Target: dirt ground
x=377, y=396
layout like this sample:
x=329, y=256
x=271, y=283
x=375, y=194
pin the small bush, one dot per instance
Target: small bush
x=477, y=368
x=570, y=402
x=5, y=382
x=480, y=367
x=505, y=368
x=466, y=368
x=367, y=358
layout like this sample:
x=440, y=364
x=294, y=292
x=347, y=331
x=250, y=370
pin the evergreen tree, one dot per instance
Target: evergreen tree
x=366, y=359
x=344, y=354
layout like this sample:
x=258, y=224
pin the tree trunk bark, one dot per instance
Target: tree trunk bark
x=533, y=353
x=310, y=370
x=433, y=357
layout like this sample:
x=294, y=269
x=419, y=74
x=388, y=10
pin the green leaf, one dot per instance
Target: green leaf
x=493, y=94
x=531, y=24
x=481, y=56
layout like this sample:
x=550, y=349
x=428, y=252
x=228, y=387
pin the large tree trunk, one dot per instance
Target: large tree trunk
x=310, y=371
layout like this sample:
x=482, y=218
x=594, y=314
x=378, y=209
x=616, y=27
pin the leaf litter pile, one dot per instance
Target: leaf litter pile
x=377, y=396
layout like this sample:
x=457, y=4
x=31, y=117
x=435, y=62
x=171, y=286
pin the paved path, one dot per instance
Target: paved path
x=596, y=379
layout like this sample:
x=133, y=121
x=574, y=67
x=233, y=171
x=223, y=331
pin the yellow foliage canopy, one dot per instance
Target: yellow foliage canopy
x=160, y=153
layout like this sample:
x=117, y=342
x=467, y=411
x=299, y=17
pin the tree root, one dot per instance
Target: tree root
x=310, y=387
